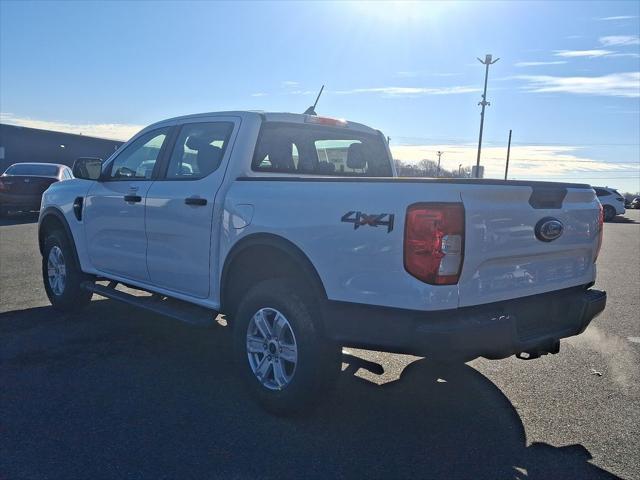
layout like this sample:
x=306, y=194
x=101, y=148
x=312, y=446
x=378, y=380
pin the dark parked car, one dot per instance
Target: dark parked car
x=635, y=203
x=22, y=185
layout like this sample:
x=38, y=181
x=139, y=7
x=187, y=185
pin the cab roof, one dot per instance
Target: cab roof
x=284, y=117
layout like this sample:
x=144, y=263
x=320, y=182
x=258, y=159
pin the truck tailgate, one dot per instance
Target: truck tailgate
x=503, y=256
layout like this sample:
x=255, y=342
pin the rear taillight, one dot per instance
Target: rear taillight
x=600, y=231
x=434, y=242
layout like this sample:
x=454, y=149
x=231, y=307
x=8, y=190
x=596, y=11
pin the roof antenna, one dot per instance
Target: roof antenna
x=312, y=109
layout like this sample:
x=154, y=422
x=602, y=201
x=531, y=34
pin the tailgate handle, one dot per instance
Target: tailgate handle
x=547, y=197
x=132, y=198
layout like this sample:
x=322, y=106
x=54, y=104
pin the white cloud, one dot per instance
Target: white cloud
x=619, y=40
x=406, y=74
x=582, y=53
x=537, y=162
x=615, y=84
x=259, y=94
x=114, y=131
x=538, y=64
x=618, y=17
x=411, y=91
x=633, y=55
x=411, y=74
x=290, y=83
x=599, y=53
x=303, y=92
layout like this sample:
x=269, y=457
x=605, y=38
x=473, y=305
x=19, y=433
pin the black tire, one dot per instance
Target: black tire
x=609, y=213
x=318, y=359
x=71, y=297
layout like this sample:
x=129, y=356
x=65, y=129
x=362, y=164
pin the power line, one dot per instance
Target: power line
x=469, y=141
x=577, y=178
x=585, y=173
x=559, y=160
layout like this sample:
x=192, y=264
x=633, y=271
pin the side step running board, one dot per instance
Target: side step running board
x=169, y=307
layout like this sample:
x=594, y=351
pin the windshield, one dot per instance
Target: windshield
x=30, y=169
x=313, y=150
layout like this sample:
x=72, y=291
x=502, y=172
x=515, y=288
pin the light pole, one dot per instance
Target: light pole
x=439, y=153
x=487, y=61
x=506, y=168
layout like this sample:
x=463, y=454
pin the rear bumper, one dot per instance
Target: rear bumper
x=30, y=202
x=532, y=324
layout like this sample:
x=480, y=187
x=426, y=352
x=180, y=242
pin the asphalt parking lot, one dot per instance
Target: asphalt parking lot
x=114, y=392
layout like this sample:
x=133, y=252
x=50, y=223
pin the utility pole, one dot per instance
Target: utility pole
x=506, y=168
x=487, y=61
x=439, y=153
x=460, y=170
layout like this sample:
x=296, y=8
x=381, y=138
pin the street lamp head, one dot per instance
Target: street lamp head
x=488, y=59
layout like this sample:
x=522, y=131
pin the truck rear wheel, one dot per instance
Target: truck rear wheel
x=61, y=274
x=285, y=361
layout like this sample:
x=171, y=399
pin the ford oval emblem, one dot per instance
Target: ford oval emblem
x=548, y=229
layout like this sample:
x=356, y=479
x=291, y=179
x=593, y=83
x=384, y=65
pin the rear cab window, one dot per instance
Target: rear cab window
x=290, y=148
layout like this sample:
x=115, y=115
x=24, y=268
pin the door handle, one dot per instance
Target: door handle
x=132, y=198
x=195, y=201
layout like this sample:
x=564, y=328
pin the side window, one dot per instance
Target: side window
x=137, y=160
x=199, y=150
x=601, y=192
x=267, y=164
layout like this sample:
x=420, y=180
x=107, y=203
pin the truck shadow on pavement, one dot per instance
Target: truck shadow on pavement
x=622, y=219
x=114, y=392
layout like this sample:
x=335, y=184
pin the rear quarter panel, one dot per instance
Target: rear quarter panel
x=362, y=265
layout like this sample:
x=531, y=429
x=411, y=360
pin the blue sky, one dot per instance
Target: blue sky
x=567, y=82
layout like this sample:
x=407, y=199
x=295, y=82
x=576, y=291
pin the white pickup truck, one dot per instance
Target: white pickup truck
x=296, y=228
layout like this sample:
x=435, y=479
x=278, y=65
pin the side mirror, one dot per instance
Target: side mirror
x=87, y=168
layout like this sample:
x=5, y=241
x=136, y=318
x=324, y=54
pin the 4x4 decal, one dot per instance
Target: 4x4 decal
x=360, y=219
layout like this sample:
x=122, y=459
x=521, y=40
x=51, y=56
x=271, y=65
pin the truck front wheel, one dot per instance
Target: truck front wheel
x=282, y=355
x=61, y=274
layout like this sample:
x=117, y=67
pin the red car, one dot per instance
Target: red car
x=22, y=185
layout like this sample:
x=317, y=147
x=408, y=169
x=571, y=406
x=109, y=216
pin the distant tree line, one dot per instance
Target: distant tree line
x=429, y=168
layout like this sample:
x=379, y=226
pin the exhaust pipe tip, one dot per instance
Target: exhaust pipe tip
x=551, y=348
